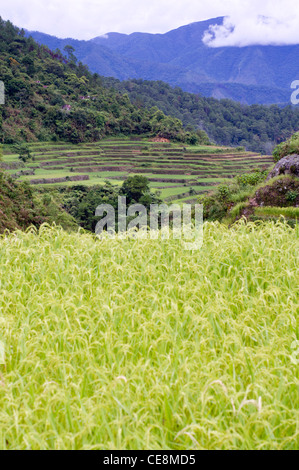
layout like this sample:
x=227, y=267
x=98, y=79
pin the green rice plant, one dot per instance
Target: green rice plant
x=237, y=210
x=288, y=212
x=133, y=343
x=241, y=196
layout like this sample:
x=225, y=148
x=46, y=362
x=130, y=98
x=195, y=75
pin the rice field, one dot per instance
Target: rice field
x=139, y=344
x=167, y=166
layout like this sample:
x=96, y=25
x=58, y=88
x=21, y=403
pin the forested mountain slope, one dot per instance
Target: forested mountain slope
x=256, y=127
x=49, y=97
x=252, y=74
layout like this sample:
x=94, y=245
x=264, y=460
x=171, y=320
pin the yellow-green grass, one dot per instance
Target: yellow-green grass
x=164, y=185
x=140, y=344
x=194, y=197
x=39, y=174
x=91, y=182
x=167, y=176
x=211, y=180
x=288, y=212
x=173, y=191
x=43, y=173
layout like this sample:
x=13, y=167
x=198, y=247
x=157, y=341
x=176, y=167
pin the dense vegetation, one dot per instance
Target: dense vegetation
x=290, y=147
x=258, y=128
x=81, y=201
x=51, y=97
x=16, y=208
x=256, y=195
x=21, y=207
x=251, y=74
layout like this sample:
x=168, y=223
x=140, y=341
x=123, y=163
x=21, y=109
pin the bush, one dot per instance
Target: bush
x=252, y=179
x=289, y=147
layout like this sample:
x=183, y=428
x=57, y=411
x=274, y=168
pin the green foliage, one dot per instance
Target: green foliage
x=230, y=198
x=70, y=53
x=20, y=208
x=81, y=201
x=289, y=147
x=134, y=187
x=24, y=152
x=258, y=128
x=288, y=212
x=83, y=208
x=292, y=196
x=252, y=179
x=223, y=192
x=215, y=209
x=51, y=97
x=49, y=206
x=203, y=138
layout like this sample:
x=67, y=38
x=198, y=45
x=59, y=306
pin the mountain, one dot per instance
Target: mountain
x=50, y=98
x=252, y=74
x=256, y=127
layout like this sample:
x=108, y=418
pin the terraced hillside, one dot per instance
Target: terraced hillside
x=178, y=172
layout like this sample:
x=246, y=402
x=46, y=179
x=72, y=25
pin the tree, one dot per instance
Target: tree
x=24, y=152
x=70, y=53
x=135, y=187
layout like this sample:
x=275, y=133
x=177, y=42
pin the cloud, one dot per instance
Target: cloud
x=248, y=21
x=85, y=19
x=272, y=23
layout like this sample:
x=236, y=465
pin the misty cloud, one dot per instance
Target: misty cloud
x=276, y=23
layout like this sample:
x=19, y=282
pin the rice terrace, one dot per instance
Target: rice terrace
x=178, y=172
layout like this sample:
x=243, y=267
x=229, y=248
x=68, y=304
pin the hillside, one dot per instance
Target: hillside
x=258, y=128
x=49, y=97
x=252, y=74
x=177, y=172
x=52, y=97
x=260, y=195
x=21, y=207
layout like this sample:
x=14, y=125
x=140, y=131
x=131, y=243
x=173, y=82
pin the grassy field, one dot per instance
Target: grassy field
x=138, y=344
x=167, y=166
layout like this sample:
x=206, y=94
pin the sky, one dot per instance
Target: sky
x=247, y=22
